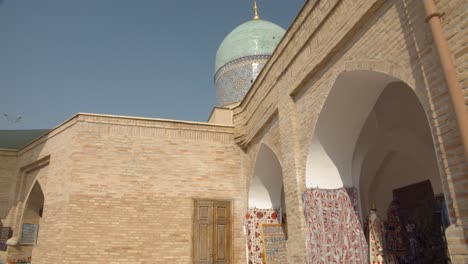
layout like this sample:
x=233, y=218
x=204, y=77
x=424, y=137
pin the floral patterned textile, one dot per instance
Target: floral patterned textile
x=334, y=231
x=253, y=218
x=396, y=241
x=353, y=195
x=376, y=239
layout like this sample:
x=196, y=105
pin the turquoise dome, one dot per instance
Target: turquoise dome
x=255, y=37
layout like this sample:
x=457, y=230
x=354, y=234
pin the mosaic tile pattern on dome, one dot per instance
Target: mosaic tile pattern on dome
x=234, y=79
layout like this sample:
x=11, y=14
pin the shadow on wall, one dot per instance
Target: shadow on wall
x=371, y=124
x=394, y=149
x=351, y=99
x=420, y=42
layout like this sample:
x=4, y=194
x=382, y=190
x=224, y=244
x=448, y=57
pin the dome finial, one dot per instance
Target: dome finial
x=256, y=16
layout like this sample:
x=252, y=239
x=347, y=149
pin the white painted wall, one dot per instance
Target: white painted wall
x=267, y=181
x=394, y=149
x=321, y=170
x=397, y=171
x=373, y=134
x=398, y=158
x=351, y=99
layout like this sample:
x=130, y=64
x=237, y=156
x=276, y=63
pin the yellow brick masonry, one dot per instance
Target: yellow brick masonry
x=31, y=166
x=455, y=25
x=121, y=190
x=329, y=37
x=7, y=172
x=133, y=188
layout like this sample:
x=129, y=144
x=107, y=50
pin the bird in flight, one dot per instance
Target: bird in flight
x=12, y=120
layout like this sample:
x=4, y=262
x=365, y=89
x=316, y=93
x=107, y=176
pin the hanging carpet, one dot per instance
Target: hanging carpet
x=334, y=233
x=376, y=239
x=253, y=220
x=417, y=207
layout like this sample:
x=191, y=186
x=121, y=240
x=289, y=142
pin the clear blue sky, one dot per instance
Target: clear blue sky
x=147, y=58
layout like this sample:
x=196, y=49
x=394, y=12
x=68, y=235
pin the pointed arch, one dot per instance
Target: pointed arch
x=267, y=180
x=33, y=205
x=373, y=133
x=330, y=150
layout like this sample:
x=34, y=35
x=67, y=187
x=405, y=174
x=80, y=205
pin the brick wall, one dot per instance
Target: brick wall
x=47, y=162
x=120, y=190
x=132, y=185
x=7, y=178
x=455, y=25
x=330, y=37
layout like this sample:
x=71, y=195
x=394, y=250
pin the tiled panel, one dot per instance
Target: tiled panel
x=234, y=79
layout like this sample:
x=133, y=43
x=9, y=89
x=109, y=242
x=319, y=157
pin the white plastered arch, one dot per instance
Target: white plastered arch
x=351, y=99
x=267, y=181
x=398, y=142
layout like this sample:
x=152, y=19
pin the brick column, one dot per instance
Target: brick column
x=293, y=185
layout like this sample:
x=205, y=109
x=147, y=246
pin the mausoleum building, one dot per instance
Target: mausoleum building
x=343, y=139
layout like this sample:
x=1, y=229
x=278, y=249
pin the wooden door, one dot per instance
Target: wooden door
x=212, y=232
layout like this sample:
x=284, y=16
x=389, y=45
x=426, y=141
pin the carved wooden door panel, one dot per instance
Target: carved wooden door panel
x=202, y=232
x=212, y=232
x=222, y=234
